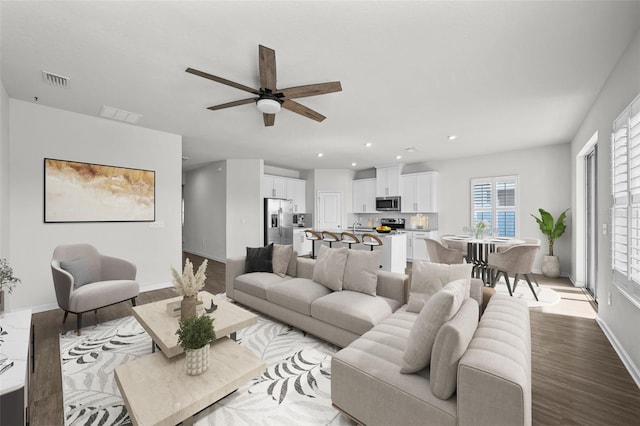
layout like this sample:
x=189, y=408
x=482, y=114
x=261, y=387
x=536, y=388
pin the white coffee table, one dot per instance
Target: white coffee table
x=161, y=326
x=157, y=390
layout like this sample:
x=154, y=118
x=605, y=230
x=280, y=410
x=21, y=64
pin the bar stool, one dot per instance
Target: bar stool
x=330, y=237
x=371, y=240
x=349, y=238
x=312, y=235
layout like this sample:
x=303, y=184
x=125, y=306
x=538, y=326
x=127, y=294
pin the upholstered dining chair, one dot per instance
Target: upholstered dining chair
x=458, y=245
x=86, y=280
x=527, y=241
x=438, y=253
x=516, y=260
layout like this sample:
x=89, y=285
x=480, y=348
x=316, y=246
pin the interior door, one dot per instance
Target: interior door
x=329, y=211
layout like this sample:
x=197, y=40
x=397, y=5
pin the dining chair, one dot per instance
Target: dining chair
x=458, y=245
x=517, y=260
x=438, y=253
x=527, y=241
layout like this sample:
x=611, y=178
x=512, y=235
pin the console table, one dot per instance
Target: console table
x=15, y=332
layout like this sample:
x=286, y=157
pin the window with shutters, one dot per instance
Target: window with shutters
x=625, y=189
x=494, y=200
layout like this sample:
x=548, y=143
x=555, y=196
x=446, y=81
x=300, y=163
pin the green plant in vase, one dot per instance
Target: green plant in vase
x=552, y=229
x=7, y=281
x=194, y=336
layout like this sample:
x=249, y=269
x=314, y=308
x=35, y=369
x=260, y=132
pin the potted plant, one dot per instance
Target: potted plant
x=188, y=285
x=7, y=281
x=552, y=230
x=194, y=335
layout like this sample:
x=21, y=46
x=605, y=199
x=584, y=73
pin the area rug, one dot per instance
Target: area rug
x=295, y=389
x=546, y=296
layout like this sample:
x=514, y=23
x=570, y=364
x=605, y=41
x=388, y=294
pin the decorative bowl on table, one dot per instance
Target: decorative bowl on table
x=383, y=229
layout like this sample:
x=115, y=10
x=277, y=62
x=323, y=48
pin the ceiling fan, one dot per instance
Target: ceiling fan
x=269, y=99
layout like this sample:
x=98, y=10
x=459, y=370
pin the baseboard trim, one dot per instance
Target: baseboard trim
x=153, y=287
x=43, y=308
x=622, y=354
x=208, y=256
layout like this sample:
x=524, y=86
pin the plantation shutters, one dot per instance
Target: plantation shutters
x=625, y=240
x=495, y=201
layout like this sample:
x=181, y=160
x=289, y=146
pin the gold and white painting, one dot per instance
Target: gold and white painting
x=84, y=192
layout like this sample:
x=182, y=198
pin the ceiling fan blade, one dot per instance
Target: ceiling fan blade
x=232, y=104
x=311, y=90
x=302, y=110
x=269, y=119
x=267, y=68
x=223, y=81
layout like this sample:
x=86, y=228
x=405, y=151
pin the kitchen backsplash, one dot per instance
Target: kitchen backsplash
x=364, y=219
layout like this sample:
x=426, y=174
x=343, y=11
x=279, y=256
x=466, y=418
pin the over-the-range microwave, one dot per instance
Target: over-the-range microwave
x=388, y=204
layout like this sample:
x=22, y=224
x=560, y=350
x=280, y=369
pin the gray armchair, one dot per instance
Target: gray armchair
x=438, y=253
x=86, y=280
x=516, y=260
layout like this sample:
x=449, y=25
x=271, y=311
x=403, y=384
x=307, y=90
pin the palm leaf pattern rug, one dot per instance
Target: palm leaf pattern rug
x=294, y=390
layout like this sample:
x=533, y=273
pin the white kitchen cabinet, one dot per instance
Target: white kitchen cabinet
x=364, y=196
x=274, y=186
x=388, y=181
x=417, y=248
x=419, y=192
x=300, y=243
x=297, y=193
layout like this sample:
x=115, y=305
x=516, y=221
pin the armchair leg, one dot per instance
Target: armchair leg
x=65, y=316
x=531, y=286
x=133, y=301
x=506, y=278
x=515, y=282
x=78, y=323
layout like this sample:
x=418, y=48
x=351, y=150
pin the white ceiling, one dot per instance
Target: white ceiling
x=499, y=75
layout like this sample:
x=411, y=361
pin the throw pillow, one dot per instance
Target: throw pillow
x=79, y=270
x=438, y=309
x=329, y=267
x=361, y=271
x=451, y=343
x=428, y=277
x=259, y=259
x=281, y=256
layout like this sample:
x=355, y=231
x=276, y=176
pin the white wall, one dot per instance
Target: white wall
x=245, y=206
x=544, y=181
x=37, y=132
x=4, y=172
x=205, y=193
x=620, y=319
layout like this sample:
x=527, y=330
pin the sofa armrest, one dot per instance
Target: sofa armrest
x=393, y=285
x=476, y=291
x=304, y=269
x=494, y=374
x=235, y=266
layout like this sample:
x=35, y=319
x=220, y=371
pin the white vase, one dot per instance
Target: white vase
x=551, y=266
x=197, y=360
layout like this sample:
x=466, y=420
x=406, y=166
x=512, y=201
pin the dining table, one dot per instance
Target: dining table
x=478, y=250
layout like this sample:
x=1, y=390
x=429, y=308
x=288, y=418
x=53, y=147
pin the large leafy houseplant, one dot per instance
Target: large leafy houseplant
x=7, y=280
x=550, y=228
x=195, y=332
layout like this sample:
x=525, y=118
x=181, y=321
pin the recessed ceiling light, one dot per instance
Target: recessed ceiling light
x=398, y=157
x=411, y=149
x=368, y=144
x=320, y=154
x=452, y=137
x=353, y=164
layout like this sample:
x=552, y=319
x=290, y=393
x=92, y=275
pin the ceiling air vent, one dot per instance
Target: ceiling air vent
x=55, y=79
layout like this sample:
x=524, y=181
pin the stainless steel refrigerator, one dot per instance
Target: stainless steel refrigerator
x=278, y=221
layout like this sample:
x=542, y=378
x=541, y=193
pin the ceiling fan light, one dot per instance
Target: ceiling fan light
x=268, y=106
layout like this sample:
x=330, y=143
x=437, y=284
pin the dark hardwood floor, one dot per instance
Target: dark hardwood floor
x=577, y=377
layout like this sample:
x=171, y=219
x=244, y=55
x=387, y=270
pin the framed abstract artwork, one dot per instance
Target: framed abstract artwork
x=86, y=192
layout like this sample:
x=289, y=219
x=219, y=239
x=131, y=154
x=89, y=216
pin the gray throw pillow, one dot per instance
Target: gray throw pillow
x=428, y=277
x=281, y=256
x=79, y=270
x=259, y=259
x=329, y=267
x=438, y=309
x=361, y=271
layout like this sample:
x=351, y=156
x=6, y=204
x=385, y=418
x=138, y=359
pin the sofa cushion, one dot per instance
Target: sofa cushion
x=296, y=294
x=79, y=270
x=259, y=259
x=329, y=267
x=438, y=309
x=428, y=277
x=102, y=293
x=256, y=283
x=451, y=342
x=353, y=311
x=360, y=272
x=280, y=259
